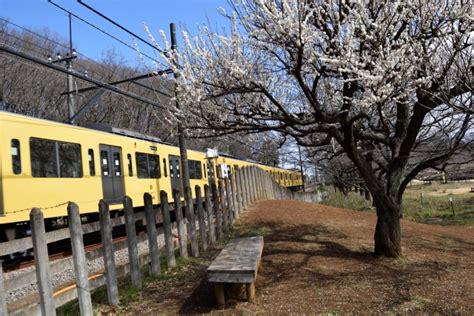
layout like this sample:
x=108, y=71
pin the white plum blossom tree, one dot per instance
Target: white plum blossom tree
x=376, y=77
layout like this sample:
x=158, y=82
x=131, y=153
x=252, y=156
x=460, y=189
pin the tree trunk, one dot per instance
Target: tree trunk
x=387, y=232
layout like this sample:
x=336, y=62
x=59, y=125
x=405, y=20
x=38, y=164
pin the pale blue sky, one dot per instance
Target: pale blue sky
x=39, y=14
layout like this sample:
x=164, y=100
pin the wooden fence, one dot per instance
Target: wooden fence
x=216, y=210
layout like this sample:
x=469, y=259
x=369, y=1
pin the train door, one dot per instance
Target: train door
x=175, y=173
x=112, y=173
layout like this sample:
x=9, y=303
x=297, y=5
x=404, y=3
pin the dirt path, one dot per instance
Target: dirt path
x=318, y=259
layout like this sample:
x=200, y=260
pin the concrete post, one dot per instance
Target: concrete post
x=224, y=208
x=135, y=272
x=252, y=184
x=108, y=253
x=152, y=234
x=230, y=205
x=183, y=247
x=217, y=211
x=201, y=218
x=191, y=222
x=233, y=188
x=79, y=259
x=247, y=186
x=165, y=212
x=3, y=299
x=210, y=215
x=40, y=248
x=238, y=192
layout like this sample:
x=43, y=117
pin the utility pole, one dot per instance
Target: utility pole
x=184, y=159
x=181, y=131
x=301, y=167
x=70, y=84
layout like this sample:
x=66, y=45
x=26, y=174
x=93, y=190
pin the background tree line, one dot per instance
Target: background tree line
x=33, y=90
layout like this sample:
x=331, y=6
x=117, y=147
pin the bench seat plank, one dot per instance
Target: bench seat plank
x=238, y=262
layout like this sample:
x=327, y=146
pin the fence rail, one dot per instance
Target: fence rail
x=207, y=220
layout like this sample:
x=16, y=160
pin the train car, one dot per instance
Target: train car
x=46, y=164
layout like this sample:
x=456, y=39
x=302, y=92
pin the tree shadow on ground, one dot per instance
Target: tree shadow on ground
x=317, y=258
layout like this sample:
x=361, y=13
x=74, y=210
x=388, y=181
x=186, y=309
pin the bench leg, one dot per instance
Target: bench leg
x=250, y=292
x=219, y=293
x=260, y=267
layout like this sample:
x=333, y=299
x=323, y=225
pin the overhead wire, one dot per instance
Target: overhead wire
x=123, y=43
x=119, y=26
x=101, y=30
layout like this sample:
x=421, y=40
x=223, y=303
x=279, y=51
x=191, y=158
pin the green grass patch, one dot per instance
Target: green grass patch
x=352, y=201
x=421, y=203
x=432, y=204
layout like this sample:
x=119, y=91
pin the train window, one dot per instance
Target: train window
x=104, y=162
x=117, y=164
x=165, y=170
x=16, y=159
x=51, y=159
x=148, y=166
x=204, y=168
x=90, y=154
x=195, y=171
x=154, y=166
x=70, y=164
x=142, y=165
x=130, y=166
x=43, y=158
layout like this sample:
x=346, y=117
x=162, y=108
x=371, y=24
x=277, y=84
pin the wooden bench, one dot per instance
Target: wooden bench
x=238, y=262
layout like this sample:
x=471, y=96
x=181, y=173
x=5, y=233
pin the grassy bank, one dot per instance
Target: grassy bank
x=447, y=204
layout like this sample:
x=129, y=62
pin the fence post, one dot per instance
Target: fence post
x=3, y=298
x=80, y=261
x=266, y=184
x=108, y=253
x=233, y=188
x=201, y=218
x=242, y=189
x=238, y=191
x=217, y=212
x=223, y=214
x=165, y=212
x=132, y=244
x=191, y=222
x=230, y=204
x=255, y=184
x=40, y=247
x=259, y=181
x=246, y=186
x=152, y=235
x=210, y=216
x=183, y=247
x=253, y=196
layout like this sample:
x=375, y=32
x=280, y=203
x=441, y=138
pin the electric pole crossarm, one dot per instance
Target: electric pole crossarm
x=80, y=76
x=148, y=75
x=89, y=103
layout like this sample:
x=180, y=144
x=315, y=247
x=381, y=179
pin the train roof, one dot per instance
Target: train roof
x=106, y=128
x=123, y=132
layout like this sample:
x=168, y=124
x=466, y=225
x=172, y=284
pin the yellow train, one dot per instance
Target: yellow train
x=45, y=164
